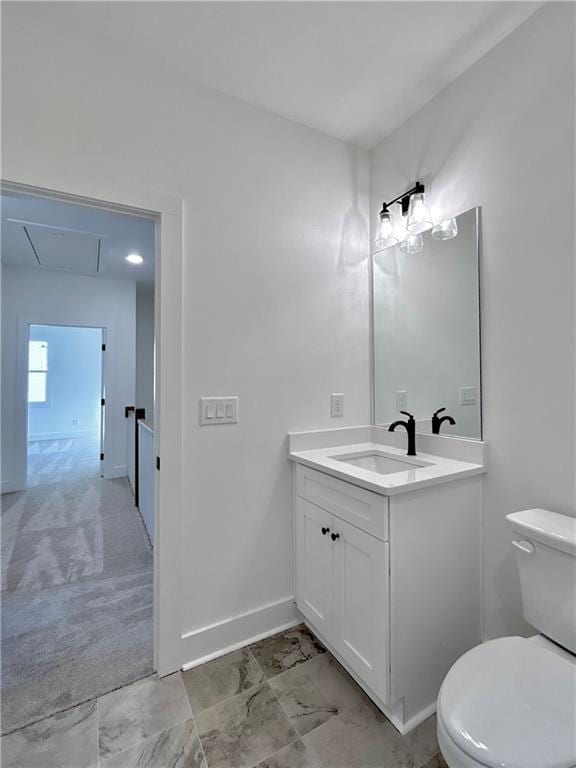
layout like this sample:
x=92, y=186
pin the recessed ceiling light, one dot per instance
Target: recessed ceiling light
x=134, y=258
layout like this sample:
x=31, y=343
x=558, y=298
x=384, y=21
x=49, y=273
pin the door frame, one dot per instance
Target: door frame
x=167, y=213
x=103, y=374
x=24, y=325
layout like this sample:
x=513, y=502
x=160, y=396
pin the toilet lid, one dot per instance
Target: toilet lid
x=511, y=703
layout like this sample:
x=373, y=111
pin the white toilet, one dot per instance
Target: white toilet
x=511, y=703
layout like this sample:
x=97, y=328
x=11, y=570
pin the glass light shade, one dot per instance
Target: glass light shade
x=385, y=235
x=445, y=230
x=419, y=218
x=412, y=244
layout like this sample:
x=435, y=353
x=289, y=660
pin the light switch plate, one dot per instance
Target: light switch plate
x=218, y=410
x=337, y=404
x=467, y=395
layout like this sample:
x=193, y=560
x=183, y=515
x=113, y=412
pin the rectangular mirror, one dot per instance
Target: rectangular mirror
x=426, y=332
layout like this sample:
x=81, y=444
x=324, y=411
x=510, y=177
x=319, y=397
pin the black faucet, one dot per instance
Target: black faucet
x=437, y=421
x=410, y=427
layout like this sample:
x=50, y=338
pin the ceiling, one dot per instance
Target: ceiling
x=45, y=234
x=354, y=70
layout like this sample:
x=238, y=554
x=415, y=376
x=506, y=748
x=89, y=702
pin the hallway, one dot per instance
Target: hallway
x=77, y=585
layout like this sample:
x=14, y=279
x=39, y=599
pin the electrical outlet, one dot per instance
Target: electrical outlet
x=402, y=400
x=75, y=422
x=336, y=404
x=467, y=395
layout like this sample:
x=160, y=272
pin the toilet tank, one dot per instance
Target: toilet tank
x=545, y=547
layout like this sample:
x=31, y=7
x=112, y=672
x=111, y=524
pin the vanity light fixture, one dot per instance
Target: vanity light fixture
x=414, y=206
x=385, y=236
x=412, y=244
x=445, y=230
x=418, y=219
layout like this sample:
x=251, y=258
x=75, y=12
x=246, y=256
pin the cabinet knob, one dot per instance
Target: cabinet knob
x=334, y=536
x=325, y=531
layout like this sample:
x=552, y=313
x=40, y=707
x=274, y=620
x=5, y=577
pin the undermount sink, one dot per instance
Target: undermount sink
x=379, y=462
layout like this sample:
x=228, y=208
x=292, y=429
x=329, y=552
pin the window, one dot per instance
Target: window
x=37, y=371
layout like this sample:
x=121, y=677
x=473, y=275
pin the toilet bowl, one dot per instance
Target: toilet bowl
x=511, y=702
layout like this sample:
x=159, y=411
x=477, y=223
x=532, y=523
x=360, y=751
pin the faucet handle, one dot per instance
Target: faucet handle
x=410, y=416
x=440, y=410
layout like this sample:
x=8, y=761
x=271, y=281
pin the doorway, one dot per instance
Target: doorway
x=65, y=403
x=167, y=214
x=78, y=567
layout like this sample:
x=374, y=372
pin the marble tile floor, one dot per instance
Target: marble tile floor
x=57, y=461
x=283, y=702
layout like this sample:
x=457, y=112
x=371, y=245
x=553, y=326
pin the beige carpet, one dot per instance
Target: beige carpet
x=77, y=596
x=56, y=461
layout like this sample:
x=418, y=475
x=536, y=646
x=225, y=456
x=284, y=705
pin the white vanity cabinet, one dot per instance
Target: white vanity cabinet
x=342, y=575
x=391, y=584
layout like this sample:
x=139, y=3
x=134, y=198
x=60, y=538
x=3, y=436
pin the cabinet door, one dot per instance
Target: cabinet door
x=361, y=588
x=314, y=565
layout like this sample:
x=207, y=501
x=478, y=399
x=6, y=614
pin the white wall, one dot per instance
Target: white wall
x=502, y=137
x=34, y=296
x=145, y=349
x=275, y=285
x=74, y=383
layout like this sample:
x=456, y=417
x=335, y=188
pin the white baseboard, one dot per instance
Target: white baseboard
x=60, y=435
x=119, y=471
x=10, y=486
x=419, y=718
x=214, y=640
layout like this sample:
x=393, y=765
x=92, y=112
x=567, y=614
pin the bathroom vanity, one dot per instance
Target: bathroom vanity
x=388, y=557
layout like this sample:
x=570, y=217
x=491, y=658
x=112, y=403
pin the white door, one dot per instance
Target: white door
x=361, y=604
x=314, y=566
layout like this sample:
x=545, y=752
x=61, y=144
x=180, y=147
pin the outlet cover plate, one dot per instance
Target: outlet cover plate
x=467, y=395
x=336, y=404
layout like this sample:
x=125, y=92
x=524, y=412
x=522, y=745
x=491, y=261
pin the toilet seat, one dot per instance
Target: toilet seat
x=453, y=755
x=510, y=703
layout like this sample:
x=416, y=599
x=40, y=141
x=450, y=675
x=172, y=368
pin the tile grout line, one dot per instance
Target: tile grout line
x=290, y=720
x=429, y=759
x=162, y=730
x=265, y=680
x=143, y=741
x=229, y=698
x=294, y=726
x=201, y=745
x=98, y=732
x=193, y=717
x=245, y=690
x=290, y=743
x=324, y=655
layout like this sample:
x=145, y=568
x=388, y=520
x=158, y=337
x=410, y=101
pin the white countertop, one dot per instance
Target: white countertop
x=437, y=469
